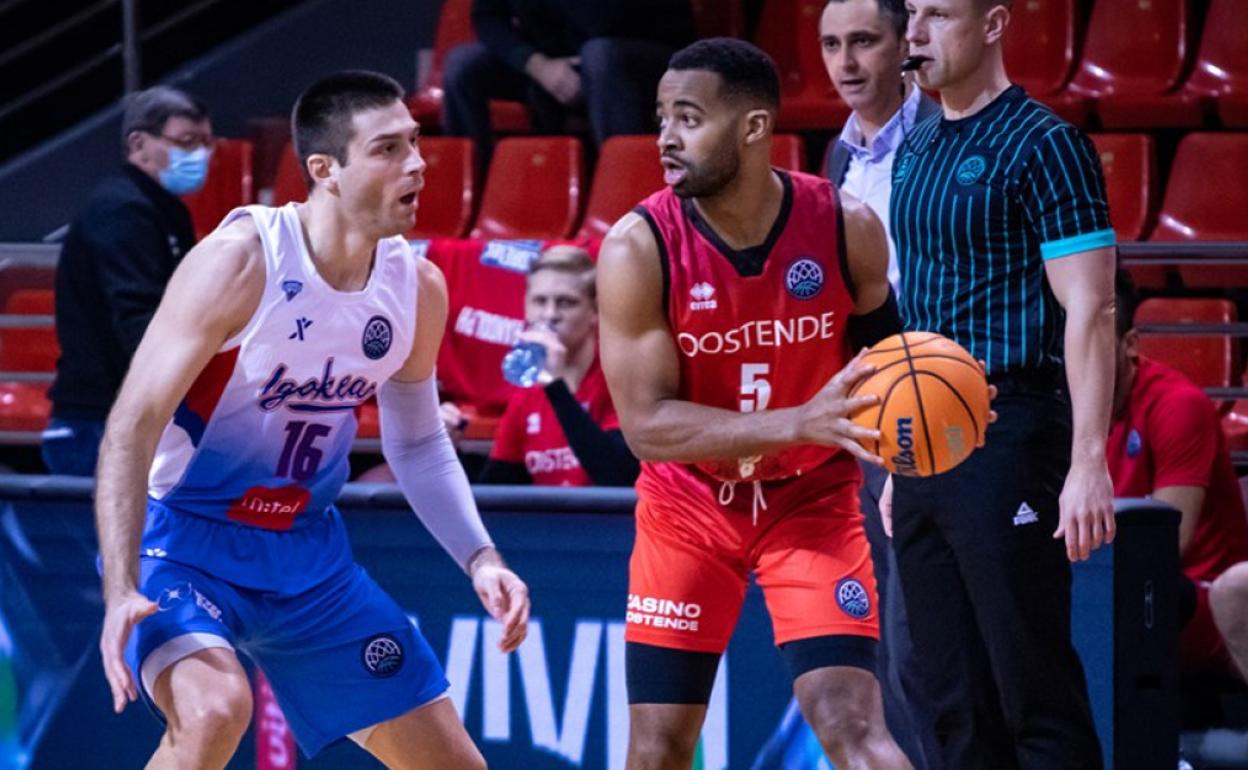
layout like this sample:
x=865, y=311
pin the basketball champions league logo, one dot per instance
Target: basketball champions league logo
x=804, y=278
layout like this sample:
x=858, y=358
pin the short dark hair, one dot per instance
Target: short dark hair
x=148, y=111
x=1126, y=300
x=321, y=120
x=746, y=71
x=893, y=11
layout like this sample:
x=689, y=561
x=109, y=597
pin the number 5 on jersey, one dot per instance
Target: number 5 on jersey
x=755, y=390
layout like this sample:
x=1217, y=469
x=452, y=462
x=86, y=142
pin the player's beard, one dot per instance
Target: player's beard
x=706, y=179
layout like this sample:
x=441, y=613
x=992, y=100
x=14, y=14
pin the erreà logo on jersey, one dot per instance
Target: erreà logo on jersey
x=702, y=297
x=903, y=461
x=326, y=393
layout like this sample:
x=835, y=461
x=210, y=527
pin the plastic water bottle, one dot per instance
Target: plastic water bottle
x=523, y=363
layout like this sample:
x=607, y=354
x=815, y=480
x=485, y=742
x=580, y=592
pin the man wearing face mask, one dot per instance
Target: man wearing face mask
x=119, y=253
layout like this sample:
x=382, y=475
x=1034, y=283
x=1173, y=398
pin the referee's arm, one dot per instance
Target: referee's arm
x=1070, y=215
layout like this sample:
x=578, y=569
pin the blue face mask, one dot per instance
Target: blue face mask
x=187, y=170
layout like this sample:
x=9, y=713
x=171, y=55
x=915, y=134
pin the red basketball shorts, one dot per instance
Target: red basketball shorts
x=693, y=557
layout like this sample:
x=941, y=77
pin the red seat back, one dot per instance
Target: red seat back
x=628, y=171
x=29, y=349
x=289, y=184
x=1040, y=45
x=1210, y=361
x=1222, y=60
x=446, y=200
x=229, y=185
x=788, y=152
x=454, y=28
x=788, y=30
x=1129, y=161
x=533, y=189
x=1135, y=47
x=1207, y=195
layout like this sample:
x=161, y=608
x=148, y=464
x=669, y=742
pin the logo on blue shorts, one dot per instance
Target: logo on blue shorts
x=804, y=278
x=174, y=595
x=852, y=597
x=377, y=337
x=971, y=169
x=382, y=655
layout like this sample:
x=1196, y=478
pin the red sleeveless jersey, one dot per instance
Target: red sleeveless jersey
x=762, y=328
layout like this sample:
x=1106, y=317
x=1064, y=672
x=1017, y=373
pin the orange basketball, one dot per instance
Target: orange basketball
x=933, y=407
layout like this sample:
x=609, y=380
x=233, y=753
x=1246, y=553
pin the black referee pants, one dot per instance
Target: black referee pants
x=987, y=591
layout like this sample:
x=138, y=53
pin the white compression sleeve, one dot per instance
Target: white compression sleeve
x=415, y=443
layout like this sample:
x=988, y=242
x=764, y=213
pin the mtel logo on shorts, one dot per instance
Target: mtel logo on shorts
x=663, y=613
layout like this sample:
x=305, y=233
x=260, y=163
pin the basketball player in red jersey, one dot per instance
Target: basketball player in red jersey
x=729, y=306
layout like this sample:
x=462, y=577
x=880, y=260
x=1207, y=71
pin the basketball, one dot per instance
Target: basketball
x=933, y=407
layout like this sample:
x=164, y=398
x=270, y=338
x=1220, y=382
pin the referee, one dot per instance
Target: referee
x=1003, y=239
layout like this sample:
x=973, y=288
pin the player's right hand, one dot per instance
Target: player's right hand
x=824, y=419
x=121, y=614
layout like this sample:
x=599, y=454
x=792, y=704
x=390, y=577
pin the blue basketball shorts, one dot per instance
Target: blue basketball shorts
x=340, y=656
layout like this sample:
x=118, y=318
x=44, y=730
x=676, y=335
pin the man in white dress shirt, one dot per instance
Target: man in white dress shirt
x=864, y=44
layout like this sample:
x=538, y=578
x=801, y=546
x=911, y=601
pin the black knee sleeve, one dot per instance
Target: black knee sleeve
x=663, y=675
x=804, y=655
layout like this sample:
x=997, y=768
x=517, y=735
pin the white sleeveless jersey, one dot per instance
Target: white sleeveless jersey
x=262, y=437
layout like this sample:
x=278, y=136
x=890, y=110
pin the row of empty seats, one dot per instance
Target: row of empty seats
x=537, y=187
x=1126, y=64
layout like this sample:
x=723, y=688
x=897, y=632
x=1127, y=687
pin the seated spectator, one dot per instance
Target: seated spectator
x=1166, y=442
x=119, y=253
x=564, y=432
x=561, y=55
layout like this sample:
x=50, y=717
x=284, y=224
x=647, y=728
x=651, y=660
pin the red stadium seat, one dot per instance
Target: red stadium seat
x=446, y=200
x=228, y=186
x=1130, y=75
x=1222, y=62
x=24, y=406
x=455, y=28
x=1206, y=199
x=628, y=170
x=1040, y=45
x=788, y=30
x=1130, y=164
x=289, y=184
x=29, y=350
x=1211, y=361
x=533, y=189
x=788, y=152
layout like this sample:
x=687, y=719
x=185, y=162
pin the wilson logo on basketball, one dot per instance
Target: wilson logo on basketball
x=903, y=461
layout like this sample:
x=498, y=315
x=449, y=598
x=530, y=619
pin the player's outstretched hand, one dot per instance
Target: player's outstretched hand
x=1086, y=516
x=824, y=419
x=120, y=617
x=505, y=597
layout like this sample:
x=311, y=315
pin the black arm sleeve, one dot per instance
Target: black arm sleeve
x=869, y=328
x=503, y=472
x=491, y=20
x=602, y=453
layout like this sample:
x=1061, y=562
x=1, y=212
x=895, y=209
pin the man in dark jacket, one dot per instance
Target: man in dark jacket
x=560, y=55
x=119, y=254
x=864, y=44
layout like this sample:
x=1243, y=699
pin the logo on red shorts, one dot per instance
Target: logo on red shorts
x=663, y=613
x=853, y=599
x=269, y=508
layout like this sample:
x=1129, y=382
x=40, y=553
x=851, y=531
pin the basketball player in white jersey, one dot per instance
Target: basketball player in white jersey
x=228, y=445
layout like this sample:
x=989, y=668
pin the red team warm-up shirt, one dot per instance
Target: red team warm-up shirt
x=1169, y=436
x=752, y=342
x=530, y=433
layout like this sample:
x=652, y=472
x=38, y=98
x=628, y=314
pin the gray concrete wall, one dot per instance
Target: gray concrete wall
x=258, y=74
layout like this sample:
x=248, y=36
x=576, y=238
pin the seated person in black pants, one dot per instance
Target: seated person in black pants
x=562, y=431
x=605, y=57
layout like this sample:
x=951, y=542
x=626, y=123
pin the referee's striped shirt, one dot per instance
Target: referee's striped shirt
x=978, y=205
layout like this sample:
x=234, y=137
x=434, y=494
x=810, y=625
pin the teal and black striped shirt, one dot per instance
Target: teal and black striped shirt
x=978, y=205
